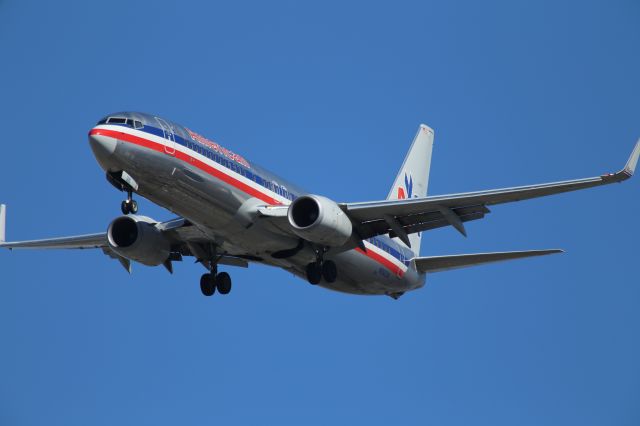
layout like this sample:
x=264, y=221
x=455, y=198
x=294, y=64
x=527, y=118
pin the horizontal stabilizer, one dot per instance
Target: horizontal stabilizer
x=445, y=263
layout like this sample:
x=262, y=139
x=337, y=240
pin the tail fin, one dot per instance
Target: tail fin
x=413, y=178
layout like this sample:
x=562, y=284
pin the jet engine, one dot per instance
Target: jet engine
x=137, y=238
x=319, y=220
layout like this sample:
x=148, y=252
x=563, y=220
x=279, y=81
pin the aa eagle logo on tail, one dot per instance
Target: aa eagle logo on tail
x=407, y=191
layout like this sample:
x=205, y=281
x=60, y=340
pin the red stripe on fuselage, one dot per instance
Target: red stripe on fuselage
x=189, y=160
x=136, y=140
x=382, y=260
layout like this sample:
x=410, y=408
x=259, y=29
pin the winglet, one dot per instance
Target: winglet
x=3, y=222
x=630, y=167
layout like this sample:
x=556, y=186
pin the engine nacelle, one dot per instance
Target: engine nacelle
x=137, y=238
x=319, y=220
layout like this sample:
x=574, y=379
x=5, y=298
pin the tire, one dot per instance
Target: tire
x=207, y=285
x=133, y=207
x=223, y=283
x=314, y=273
x=329, y=271
x=124, y=207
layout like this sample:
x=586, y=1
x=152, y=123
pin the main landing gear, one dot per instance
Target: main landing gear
x=211, y=281
x=129, y=205
x=321, y=268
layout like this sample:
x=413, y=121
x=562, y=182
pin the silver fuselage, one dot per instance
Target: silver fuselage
x=218, y=191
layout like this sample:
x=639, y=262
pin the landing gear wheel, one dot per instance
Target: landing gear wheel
x=129, y=205
x=207, y=285
x=223, y=283
x=329, y=271
x=314, y=273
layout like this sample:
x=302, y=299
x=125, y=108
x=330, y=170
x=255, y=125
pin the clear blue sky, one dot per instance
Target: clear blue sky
x=328, y=94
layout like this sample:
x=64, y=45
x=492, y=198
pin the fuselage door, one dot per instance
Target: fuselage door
x=169, y=135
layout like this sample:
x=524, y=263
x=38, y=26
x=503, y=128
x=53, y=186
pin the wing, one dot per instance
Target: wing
x=186, y=240
x=399, y=218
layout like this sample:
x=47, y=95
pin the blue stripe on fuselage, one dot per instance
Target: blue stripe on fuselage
x=394, y=249
x=252, y=174
x=384, y=243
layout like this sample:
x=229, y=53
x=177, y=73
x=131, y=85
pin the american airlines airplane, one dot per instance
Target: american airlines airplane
x=232, y=212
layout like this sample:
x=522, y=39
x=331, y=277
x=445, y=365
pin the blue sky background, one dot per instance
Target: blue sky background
x=328, y=94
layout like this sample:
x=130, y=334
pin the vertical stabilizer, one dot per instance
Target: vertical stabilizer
x=413, y=178
x=3, y=222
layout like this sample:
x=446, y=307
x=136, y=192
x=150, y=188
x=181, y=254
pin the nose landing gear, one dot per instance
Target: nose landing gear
x=129, y=205
x=123, y=181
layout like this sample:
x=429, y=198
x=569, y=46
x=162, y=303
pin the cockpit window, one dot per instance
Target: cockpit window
x=136, y=124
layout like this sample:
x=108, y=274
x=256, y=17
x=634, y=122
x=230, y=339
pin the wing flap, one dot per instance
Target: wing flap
x=421, y=222
x=446, y=263
x=426, y=226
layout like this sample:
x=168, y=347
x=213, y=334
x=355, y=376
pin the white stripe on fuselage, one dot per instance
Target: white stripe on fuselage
x=185, y=150
x=209, y=162
x=386, y=255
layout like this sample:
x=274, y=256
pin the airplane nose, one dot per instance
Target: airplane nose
x=103, y=148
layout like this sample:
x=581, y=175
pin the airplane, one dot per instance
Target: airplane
x=233, y=212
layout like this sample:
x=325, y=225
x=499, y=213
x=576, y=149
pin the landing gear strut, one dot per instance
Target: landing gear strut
x=321, y=268
x=129, y=205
